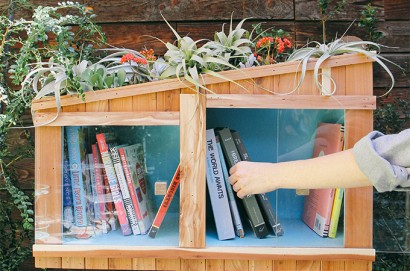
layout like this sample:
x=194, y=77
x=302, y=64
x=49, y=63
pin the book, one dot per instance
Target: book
x=334, y=218
x=318, y=204
x=163, y=208
x=68, y=211
x=76, y=157
x=236, y=218
x=135, y=176
x=250, y=203
x=99, y=187
x=125, y=192
x=113, y=184
x=217, y=189
x=266, y=207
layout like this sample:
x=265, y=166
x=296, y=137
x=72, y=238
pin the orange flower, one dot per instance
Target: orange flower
x=130, y=57
x=149, y=54
x=264, y=42
x=288, y=43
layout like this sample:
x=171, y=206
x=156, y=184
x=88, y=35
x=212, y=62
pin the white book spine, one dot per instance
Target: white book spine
x=217, y=189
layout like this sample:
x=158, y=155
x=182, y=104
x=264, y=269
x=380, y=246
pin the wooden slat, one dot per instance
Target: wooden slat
x=169, y=84
x=215, y=265
x=48, y=262
x=120, y=263
x=48, y=174
x=284, y=265
x=291, y=101
x=358, y=202
x=193, y=265
x=358, y=265
x=168, y=264
x=143, y=264
x=308, y=265
x=108, y=118
x=232, y=253
x=192, y=188
x=260, y=265
x=333, y=266
x=73, y=262
x=236, y=265
x=96, y=263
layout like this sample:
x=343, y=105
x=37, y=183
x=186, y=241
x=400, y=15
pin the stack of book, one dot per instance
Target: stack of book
x=225, y=148
x=104, y=185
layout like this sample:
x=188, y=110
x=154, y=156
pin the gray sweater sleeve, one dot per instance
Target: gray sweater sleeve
x=385, y=159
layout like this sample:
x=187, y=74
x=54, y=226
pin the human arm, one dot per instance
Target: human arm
x=377, y=159
x=333, y=170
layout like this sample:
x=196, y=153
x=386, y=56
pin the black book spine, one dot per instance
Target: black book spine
x=250, y=204
x=264, y=203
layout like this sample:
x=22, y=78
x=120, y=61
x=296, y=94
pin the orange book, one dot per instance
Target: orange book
x=318, y=204
x=165, y=204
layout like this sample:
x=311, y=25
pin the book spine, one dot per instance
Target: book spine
x=217, y=190
x=131, y=187
x=99, y=186
x=249, y=202
x=113, y=183
x=94, y=198
x=334, y=218
x=266, y=207
x=67, y=188
x=236, y=218
x=134, y=155
x=156, y=224
x=126, y=197
x=77, y=183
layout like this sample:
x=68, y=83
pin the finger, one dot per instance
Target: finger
x=236, y=187
x=232, y=180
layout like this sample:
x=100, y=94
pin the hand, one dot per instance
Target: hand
x=251, y=178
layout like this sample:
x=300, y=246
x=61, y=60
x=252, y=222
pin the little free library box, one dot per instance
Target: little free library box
x=167, y=120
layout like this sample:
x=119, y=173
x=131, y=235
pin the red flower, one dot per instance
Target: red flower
x=264, y=42
x=280, y=45
x=130, y=57
x=288, y=43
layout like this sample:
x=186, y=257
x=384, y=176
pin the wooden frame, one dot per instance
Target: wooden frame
x=170, y=102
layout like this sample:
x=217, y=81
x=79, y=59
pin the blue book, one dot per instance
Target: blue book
x=76, y=158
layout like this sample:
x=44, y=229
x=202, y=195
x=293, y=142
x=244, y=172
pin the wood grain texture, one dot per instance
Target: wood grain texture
x=48, y=174
x=193, y=185
x=236, y=265
x=119, y=263
x=284, y=265
x=193, y=265
x=333, y=266
x=110, y=118
x=73, y=262
x=143, y=264
x=96, y=263
x=397, y=10
x=291, y=101
x=215, y=265
x=308, y=266
x=260, y=265
x=359, y=202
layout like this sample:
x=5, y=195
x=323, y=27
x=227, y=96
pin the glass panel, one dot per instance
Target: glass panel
x=273, y=135
x=109, y=180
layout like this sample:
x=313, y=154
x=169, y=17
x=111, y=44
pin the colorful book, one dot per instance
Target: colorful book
x=68, y=211
x=236, y=218
x=318, y=204
x=334, y=218
x=173, y=186
x=99, y=187
x=113, y=183
x=125, y=192
x=135, y=176
x=250, y=203
x=76, y=157
x=217, y=189
x=266, y=207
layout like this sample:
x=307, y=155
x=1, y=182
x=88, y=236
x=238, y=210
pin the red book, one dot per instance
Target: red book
x=318, y=204
x=114, y=186
x=165, y=204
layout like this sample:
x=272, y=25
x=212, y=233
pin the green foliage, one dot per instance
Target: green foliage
x=390, y=118
x=369, y=23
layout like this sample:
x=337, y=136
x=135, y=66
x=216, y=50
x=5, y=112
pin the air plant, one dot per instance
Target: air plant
x=338, y=47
